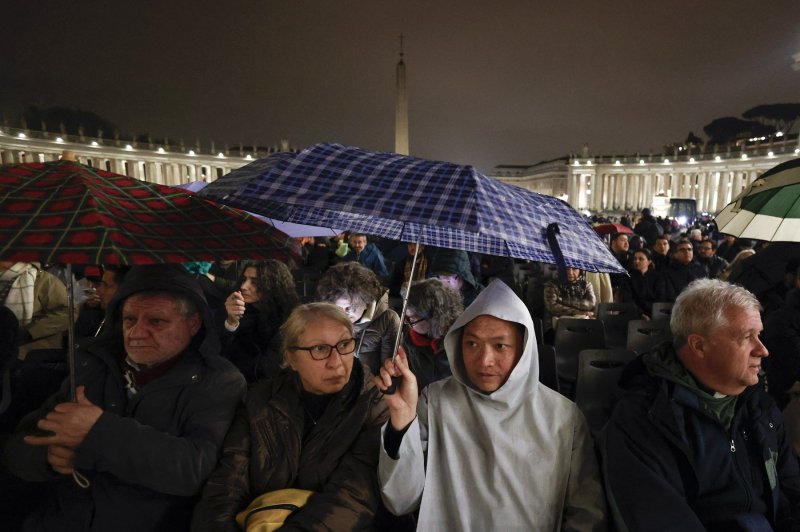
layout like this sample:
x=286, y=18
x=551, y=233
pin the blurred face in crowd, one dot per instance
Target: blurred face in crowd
x=155, y=329
x=705, y=250
x=452, y=280
x=107, y=288
x=331, y=373
x=416, y=321
x=620, y=244
x=413, y=247
x=249, y=288
x=573, y=274
x=641, y=262
x=684, y=253
x=358, y=243
x=354, y=308
x=661, y=246
x=491, y=348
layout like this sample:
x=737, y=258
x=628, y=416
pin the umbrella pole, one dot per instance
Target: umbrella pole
x=71, y=335
x=396, y=380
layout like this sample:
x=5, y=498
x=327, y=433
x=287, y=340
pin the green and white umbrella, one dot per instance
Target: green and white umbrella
x=769, y=209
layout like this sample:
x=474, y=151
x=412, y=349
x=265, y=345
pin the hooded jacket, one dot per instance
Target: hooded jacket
x=370, y=257
x=678, y=458
x=149, y=453
x=453, y=261
x=376, y=333
x=519, y=458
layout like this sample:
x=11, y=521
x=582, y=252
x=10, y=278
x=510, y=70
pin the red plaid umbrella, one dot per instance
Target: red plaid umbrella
x=65, y=212
x=69, y=213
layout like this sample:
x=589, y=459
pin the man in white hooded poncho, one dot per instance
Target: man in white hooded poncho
x=489, y=448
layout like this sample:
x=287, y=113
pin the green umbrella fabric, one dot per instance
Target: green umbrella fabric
x=769, y=209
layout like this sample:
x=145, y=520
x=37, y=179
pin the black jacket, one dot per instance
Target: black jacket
x=147, y=455
x=670, y=465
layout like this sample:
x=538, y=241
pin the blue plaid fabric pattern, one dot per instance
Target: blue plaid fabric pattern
x=409, y=199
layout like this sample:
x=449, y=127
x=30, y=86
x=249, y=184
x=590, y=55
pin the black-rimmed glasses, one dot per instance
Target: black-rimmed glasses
x=411, y=322
x=323, y=351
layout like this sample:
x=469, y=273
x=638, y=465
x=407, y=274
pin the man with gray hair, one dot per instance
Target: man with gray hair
x=696, y=443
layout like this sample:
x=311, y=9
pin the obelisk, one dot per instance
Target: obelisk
x=401, y=108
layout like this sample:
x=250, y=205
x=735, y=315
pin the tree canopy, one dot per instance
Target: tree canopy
x=730, y=128
x=780, y=115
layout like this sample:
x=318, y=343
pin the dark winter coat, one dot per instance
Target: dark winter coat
x=255, y=346
x=427, y=361
x=648, y=229
x=371, y=258
x=265, y=450
x=147, y=456
x=640, y=289
x=675, y=277
x=670, y=465
x=782, y=339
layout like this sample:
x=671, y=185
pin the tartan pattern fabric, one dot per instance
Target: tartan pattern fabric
x=400, y=197
x=65, y=212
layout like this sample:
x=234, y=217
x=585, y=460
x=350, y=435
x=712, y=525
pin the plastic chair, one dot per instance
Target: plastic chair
x=599, y=371
x=646, y=334
x=662, y=310
x=572, y=336
x=615, y=318
x=547, y=366
x=537, y=329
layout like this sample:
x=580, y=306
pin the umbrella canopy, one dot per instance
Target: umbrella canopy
x=65, y=212
x=293, y=230
x=413, y=200
x=610, y=229
x=769, y=209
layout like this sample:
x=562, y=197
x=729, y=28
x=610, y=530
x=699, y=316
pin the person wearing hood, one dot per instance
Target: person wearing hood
x=358, y=292
x=695, y=443
x=453, y=268
x=489, y=448
x=648, y=227
x=154, y=401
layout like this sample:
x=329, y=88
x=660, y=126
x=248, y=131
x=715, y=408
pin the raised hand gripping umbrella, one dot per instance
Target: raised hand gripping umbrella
x=769, y=209
x=414, y=200
x=65, y=212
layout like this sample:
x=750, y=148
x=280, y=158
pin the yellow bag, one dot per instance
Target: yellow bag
x=267, y=512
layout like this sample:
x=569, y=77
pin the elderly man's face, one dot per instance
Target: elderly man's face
x=491, y=348
x=154, y=329
x=731, y=355
x=358, y=243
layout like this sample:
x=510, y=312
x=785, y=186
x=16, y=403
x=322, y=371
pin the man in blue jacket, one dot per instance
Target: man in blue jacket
x=696, y=443
x=154, y=401
x=366, y=254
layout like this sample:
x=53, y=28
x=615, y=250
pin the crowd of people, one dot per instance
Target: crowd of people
x=203, y=390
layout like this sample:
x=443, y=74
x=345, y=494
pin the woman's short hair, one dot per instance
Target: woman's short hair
x=701, y=308
x=307, y=315
x=436, y=302
x=349, y=280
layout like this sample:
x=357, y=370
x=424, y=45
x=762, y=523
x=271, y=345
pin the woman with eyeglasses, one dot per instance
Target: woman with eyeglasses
x=315, y=427
x=357, y=291
x=432, y=308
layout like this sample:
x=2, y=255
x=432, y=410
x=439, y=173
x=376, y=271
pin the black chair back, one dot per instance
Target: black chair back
x=547, y=366
x=596, y=389
x=662, y=310
x=572, y=336
x=615, y=318
x=646, y=334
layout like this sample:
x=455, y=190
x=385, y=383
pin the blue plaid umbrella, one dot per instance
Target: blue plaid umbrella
x=413, y=200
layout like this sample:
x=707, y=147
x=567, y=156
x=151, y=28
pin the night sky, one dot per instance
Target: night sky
x=506, y=82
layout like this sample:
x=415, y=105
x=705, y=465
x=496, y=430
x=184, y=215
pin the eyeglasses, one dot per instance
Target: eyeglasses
x=323, y=351
x=411, y=322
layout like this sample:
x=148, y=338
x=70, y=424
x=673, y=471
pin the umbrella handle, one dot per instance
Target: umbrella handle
x=392, y=387
x=552, y=231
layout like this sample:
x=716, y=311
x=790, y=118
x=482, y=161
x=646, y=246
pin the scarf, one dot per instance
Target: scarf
x=20, y=297
x=420, y=340
x=420, y=272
